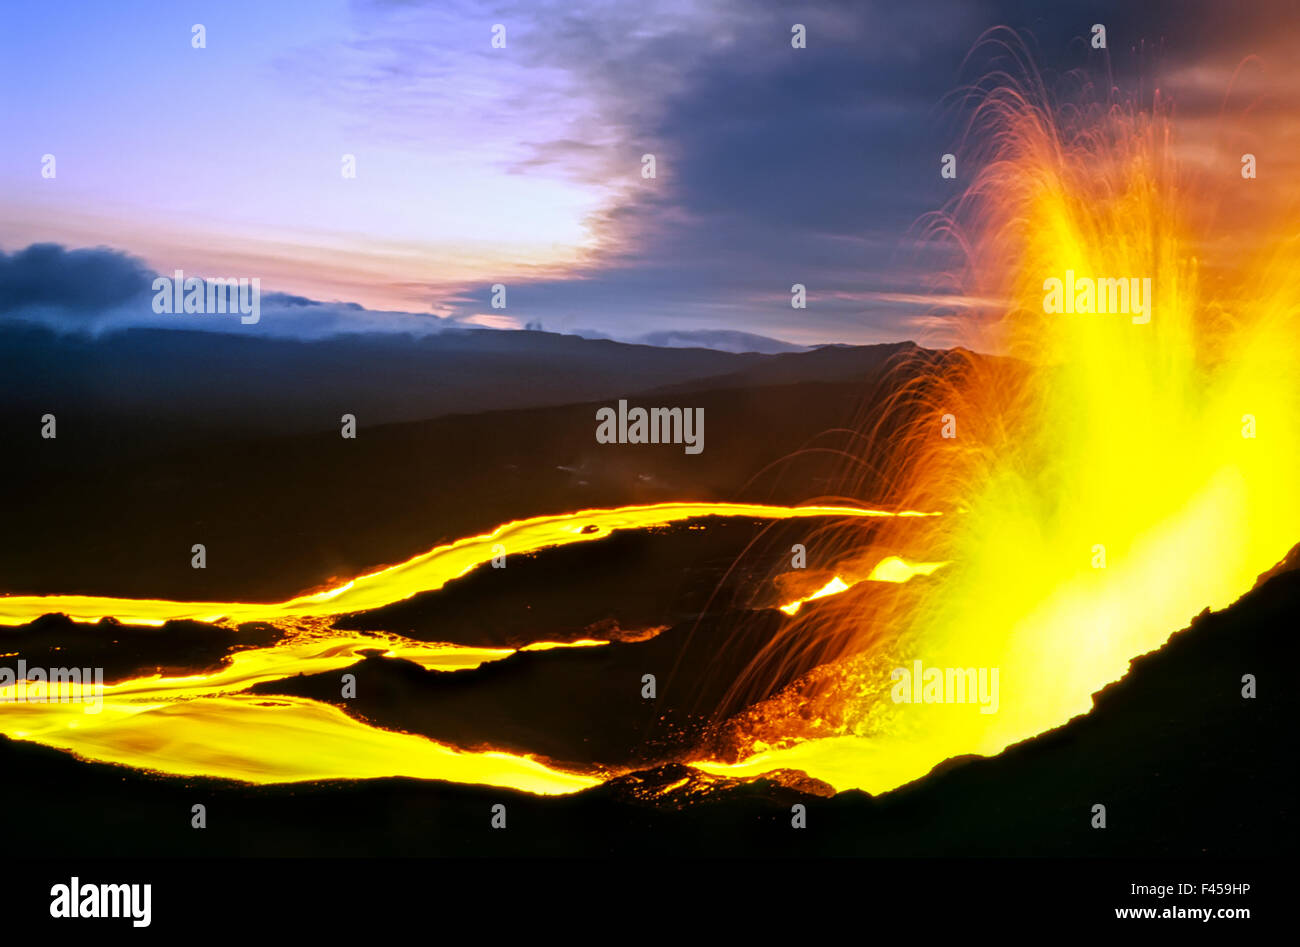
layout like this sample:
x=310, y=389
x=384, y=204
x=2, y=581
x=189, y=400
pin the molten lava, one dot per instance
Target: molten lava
x=202, y=725
x=1113, y=478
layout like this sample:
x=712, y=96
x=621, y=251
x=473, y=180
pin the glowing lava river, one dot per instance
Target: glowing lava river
x=201, y=725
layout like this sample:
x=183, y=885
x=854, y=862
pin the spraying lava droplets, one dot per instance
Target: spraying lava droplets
x=1114, y=476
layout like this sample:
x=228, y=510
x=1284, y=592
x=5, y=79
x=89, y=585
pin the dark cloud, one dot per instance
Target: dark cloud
x=819, y=165
x=96, y=290
x=86, y=280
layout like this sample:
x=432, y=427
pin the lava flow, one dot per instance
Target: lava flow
x=424, y=573
x=1115, y=476
x=202, y=725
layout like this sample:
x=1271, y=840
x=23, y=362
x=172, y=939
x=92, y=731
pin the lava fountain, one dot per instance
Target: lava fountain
x=1110, y=477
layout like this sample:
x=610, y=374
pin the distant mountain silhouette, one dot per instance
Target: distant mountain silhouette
x=196, y=383
x=204, y=381
x=726, y=340
x=182, y=431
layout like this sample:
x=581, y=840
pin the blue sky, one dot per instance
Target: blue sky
x=522, y=165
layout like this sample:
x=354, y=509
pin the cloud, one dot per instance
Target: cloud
x=99, y=290
x=725, y=340
x=46, y=275
x=775, y=165
x=96, y=290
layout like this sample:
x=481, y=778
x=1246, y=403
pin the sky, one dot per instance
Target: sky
x=523, y=165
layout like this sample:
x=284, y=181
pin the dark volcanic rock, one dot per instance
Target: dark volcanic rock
x=125, y=651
